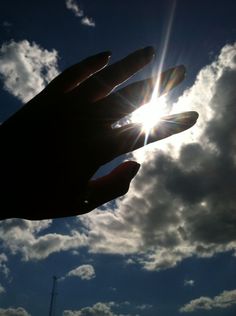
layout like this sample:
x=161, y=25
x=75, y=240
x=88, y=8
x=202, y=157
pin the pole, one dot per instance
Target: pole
x=53, y=297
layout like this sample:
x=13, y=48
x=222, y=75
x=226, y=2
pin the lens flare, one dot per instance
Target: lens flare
x=149, y=114
x=152, y=113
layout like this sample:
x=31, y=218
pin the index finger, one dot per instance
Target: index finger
x=74, y=75
x=104, y=81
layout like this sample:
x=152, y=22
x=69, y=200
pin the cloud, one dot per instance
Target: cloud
x=223, y=300
x=98, y=309
x=84, y=272
x=19, y=311
x=189, y=282
x=74, y=7
x=3, y=267
x=26, y=68
x=6, y=24
x=144, y=307
x=2, y=289
x=87, y=21
x=182, y=202
x=27, y=238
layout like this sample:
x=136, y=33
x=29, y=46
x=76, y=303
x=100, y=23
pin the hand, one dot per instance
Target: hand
x=53, y=146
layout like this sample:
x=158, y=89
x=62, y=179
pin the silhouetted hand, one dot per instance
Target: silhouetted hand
x=52, y=147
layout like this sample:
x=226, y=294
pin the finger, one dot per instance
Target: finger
x=171, y=78
x=128, y=99
x=77, y=73
x=111, y=186
x=106, y=80
x=131, y=136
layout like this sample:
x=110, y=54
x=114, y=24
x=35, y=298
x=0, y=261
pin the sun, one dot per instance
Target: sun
x=149, y=114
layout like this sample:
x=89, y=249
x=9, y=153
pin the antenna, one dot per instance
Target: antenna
x=53, y=297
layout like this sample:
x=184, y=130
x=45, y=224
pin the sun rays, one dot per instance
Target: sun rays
x=149, y=114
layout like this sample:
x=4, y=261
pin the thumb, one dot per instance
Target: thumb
x=111, y=186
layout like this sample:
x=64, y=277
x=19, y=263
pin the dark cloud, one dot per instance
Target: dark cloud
x=183, y=202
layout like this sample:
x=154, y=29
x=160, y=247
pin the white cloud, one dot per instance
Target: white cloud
x=182, y=202
x=26, y=68
x=87, y=21
x=2, y=289
x=74, y=7
x=19, y=311
x=189, y=282
x=223, y=300
x=130, y=261
x=84, y=272
x=25, y=237
x=98, y=309
x=3, y=267
x=144, y=307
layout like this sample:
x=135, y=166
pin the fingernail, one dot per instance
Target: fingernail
x=149, y=51
x=188, y=118
x=177, y=123
x=175, y=75
x=179, y=74
x=171, y=78
x=134, y=170
x=105, y=55
x=182, y=70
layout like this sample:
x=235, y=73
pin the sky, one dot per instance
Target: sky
x=168, y=247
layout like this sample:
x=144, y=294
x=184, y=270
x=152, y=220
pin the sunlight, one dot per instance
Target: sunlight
x=149, y=114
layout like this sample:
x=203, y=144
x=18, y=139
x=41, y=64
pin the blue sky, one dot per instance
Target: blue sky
x=167, y=247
